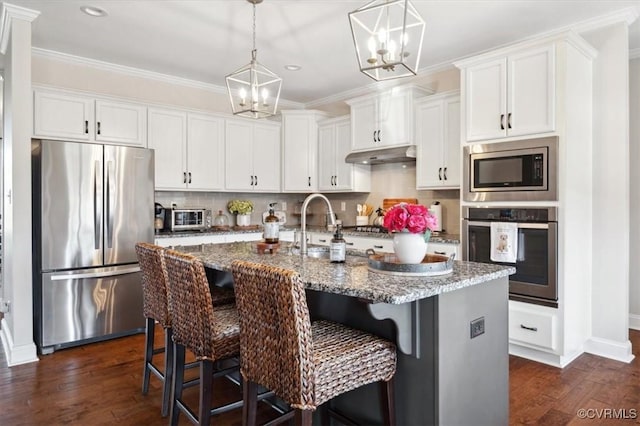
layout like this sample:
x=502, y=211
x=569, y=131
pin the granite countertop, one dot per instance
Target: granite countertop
x=352, y=278
x=441, y=238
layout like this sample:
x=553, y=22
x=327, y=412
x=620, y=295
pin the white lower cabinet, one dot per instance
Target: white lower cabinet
x=190, y=240
x=534, y=326
x=384, y=245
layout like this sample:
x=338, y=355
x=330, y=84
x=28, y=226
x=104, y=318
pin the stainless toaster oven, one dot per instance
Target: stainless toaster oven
x=185, y=219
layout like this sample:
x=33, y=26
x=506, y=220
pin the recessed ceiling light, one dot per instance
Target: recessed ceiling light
x=293, y=67
x=94, y=11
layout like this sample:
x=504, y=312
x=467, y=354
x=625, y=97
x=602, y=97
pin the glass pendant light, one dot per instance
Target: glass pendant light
x=388, y=38
x=254, y=90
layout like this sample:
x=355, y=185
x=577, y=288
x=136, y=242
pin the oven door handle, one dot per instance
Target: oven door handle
x=520, y=225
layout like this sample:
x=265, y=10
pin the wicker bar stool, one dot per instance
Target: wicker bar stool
x=304, y=364
x=210, y=332
x=154, y=293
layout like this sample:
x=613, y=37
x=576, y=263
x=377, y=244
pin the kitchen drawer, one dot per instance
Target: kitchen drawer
x=363, y=243
x=444, y=249
x=190, y=241
x=320, y=239
x=532, y=328
x=250, y=236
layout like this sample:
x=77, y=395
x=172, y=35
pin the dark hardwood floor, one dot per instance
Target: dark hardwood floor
x=99, y=384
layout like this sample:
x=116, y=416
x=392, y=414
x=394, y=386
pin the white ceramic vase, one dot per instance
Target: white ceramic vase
x=409, y=248
x=243, y=220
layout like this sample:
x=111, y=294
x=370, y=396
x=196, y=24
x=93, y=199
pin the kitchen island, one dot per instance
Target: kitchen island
x=451, y=331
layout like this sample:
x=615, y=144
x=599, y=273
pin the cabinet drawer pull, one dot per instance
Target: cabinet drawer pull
x=349, y=244
x=322, y=240
x=501, y=121
x=509, y=121
x=528, y=328
x=440, y=173
x=98, y=127
x=440, y=252
x=445, y=173
x=86, y=127
x=378, y=247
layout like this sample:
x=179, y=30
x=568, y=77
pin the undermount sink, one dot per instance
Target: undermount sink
x=319, y=252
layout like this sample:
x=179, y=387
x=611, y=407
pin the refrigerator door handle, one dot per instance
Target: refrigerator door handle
x=97, y=219
x=109, y=213
x=104, y=274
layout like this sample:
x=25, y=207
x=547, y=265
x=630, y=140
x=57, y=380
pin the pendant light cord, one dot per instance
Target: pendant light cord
x=254, y=31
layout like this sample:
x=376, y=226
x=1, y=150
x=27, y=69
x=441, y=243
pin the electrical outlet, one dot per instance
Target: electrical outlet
x=343, y=206
x=283, y=205
x=174, y=205
x=477, y=327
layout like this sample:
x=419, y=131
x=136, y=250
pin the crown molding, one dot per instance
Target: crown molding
x=141, y=73
x=380, y=86
x=628, y=16
x=10, y=12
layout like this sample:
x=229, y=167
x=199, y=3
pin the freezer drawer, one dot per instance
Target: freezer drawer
x=90, y=305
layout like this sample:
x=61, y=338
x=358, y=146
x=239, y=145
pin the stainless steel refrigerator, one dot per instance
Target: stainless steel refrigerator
x=91, y=204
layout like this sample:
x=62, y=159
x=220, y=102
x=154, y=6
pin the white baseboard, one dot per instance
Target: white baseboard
x=553, y=360
x=634, y=321
x=609, y=349
x=16, y=355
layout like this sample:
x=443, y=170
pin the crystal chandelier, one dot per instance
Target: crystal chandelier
x=254, y=90
x=388, y=38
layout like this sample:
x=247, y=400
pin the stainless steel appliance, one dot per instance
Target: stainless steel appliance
x=91, y=205
x=523, y=170
x=186, y=219
x=536, y=277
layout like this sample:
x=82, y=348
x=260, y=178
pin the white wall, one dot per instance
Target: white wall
x=17, y=326
x=610, y=293
x=634, y=158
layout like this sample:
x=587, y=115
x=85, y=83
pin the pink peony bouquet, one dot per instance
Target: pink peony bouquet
x=413, y=218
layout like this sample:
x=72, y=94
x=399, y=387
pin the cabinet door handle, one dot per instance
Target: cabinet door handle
x=86, y=127
x=528, y=328
x=440, y=173
x=445, y=173
x=256, y=176
x=335, y=180
x=253, y=181
x=501, y=121
x=184, y=177
x=309, y=180
x=98, y=127
x=378, y=135
x=189, y=177
x=509, y=121
x=440, y=252
x=374, y=136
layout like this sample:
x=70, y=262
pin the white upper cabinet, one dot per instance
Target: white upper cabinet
x=189, y=150
x=511, y=95
x=334, y=174
x=205, y=152
x=300, y=150
x=69, y=116
x=252, y=153
x=121, y=122
x=384, y=119
x=438, y=142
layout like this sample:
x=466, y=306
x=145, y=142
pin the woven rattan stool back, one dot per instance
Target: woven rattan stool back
x=154, y=284
x=190, y=304
x=275, y=331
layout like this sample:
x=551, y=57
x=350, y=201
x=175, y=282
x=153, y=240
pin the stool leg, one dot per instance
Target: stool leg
x=388, y=402
x=148, y=354
x=303, y=417
x=206, y=391
x=178, y=382
x=168, y=371
x=250, y=403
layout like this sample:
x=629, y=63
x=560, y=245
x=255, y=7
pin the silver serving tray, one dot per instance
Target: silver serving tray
x=432, y=265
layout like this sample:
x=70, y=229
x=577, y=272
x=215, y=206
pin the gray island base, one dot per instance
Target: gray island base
x=451, y=332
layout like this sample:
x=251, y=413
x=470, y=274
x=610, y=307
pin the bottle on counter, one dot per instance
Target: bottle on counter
x=271, y=226
x=338, y=247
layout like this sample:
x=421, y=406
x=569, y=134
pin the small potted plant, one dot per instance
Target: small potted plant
x=243, y=210
x=411, y=225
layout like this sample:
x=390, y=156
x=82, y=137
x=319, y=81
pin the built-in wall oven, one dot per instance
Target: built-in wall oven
x=536, y=277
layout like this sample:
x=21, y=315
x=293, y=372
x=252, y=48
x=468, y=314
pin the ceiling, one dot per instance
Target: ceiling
x=205, y=40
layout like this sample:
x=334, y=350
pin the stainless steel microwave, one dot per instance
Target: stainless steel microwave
x=525, y=170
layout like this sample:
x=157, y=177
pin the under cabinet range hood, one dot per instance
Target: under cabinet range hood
x=400, y=154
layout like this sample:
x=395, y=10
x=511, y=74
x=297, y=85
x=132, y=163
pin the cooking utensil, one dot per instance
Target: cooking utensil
x=359, y=209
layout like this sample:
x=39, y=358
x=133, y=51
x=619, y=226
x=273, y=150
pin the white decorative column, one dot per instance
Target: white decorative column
x=15, y=44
